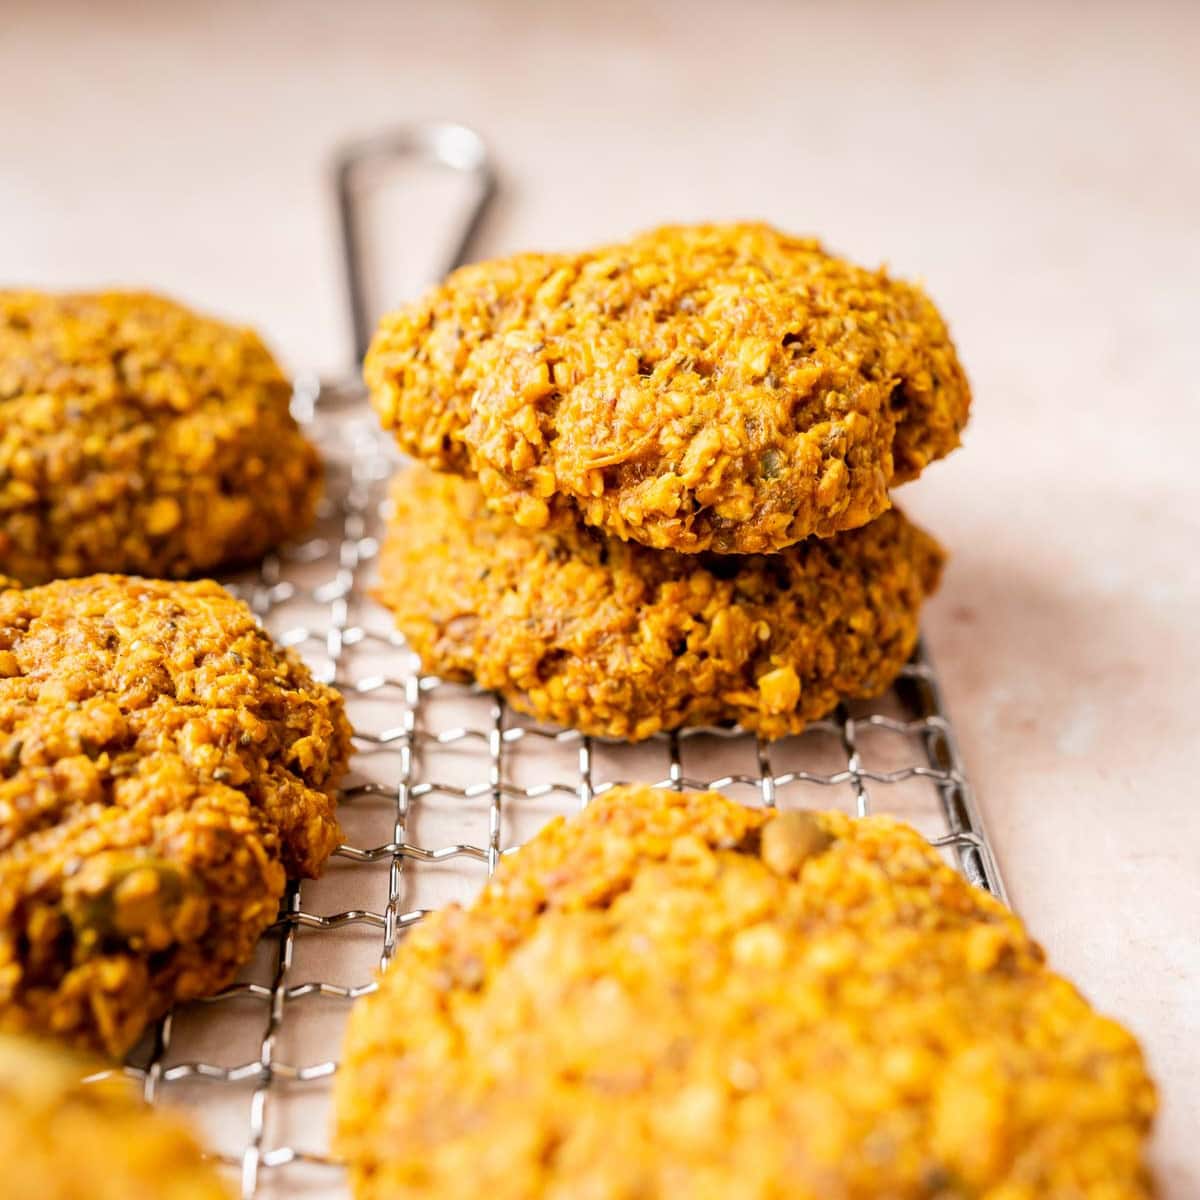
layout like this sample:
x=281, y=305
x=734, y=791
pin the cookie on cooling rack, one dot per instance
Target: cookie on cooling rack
x=63, y=1139
x=710, y=387
x=613, y=638
x=163, y=765
x=673, y=995
x=136, y=436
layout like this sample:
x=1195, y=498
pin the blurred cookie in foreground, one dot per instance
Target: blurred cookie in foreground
x=163, y=768
x=672, y=995
x=705, y=387
x=615, y=639
x=64, y=1139
x=138, y=437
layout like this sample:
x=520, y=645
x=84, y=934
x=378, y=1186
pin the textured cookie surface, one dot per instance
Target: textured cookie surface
x=138, y=437
x=672, y=995
x=712, y=387
x=616, y=639
x=63, y=1139
x=162, y=767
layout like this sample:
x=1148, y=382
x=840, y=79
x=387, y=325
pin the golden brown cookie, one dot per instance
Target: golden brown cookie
x=163, y=765
x=709, y=387
x=613, y=638
x=136, y=436
x=672, y=995
x=64, y=1139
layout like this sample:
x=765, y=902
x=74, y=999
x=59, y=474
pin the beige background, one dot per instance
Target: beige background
x=1037, y=166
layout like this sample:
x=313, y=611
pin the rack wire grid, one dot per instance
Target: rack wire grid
x=445, y=780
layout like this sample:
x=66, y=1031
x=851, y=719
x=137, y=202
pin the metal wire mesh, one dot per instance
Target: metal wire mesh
x=447, y=779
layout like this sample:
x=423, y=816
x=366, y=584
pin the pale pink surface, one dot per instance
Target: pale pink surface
x=1039, y=172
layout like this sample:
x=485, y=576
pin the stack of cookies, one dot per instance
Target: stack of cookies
x=660, y=497
x=661, y=472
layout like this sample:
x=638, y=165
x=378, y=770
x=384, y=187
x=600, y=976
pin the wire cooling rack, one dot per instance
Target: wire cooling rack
x=445, y=781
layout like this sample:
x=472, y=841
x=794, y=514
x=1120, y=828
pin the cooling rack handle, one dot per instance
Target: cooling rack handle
x=442, y=144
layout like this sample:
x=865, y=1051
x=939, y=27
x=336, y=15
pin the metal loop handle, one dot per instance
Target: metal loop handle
x=436, y=143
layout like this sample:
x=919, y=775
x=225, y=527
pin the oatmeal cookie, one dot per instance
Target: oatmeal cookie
x=64, y=1139
x=712, y=387
x=672, y=995
x=136, y=436
x=615, y=639
x=163, y=767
